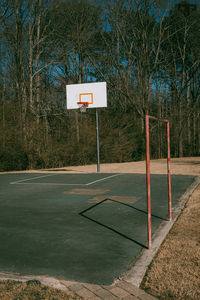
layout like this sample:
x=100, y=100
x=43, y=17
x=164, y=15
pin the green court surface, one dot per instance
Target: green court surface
x=82, y=227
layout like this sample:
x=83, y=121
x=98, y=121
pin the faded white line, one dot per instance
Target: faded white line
x=105, y=178
x=49, y=183
x=23, y=180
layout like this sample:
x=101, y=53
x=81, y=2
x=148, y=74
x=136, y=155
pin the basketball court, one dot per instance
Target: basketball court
x=89, y=227
x=82, y=227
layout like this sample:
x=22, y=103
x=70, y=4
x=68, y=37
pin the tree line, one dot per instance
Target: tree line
x=148, y=53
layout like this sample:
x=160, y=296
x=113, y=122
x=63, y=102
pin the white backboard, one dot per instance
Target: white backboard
x=93, y=93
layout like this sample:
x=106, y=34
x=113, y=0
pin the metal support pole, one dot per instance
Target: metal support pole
x=169, y=173
x=97, y=134
x=148, y=181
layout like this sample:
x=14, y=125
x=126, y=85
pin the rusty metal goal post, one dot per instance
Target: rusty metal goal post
x=148, y=187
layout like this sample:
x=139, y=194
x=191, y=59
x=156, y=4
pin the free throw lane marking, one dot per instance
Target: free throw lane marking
x=48, y=183
x=23, y=180
x=98, y=180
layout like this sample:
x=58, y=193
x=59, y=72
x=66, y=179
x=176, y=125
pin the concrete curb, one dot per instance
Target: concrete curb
x=136, y=274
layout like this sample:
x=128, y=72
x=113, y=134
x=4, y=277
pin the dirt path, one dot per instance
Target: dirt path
x=186, y=166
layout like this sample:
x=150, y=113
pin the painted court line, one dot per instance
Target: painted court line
x=90, y=183
x=23, y=180
x=48, y=183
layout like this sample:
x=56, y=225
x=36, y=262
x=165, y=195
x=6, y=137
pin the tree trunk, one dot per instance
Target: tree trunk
x=3, y=106
x=31, y=67
x=37, y=60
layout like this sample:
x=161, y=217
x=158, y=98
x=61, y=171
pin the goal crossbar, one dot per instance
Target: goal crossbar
x=147, y=118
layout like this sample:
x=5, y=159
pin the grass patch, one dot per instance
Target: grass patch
x=32, y=290
x=174, y=272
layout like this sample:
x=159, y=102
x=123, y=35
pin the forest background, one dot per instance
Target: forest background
x=147, y=51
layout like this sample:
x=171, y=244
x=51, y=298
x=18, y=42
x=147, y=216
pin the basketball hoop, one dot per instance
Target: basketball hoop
x=83, y=106
x=88, y=95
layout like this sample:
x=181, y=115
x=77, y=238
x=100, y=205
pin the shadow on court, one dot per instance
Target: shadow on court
x=82, y=227
x=83, y=213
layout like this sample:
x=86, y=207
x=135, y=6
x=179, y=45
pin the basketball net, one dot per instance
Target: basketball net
x=83, y=106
